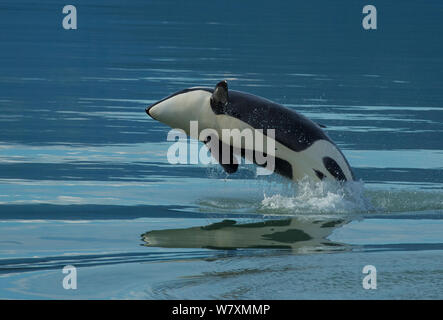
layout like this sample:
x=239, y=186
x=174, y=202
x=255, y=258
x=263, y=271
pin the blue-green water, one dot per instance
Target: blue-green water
x=84, y=173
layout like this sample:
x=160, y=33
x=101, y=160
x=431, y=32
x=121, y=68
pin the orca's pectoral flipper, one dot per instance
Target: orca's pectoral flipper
x=219, y=151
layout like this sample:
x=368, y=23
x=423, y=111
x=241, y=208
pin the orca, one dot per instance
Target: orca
x=301, y=235
x=302, y=148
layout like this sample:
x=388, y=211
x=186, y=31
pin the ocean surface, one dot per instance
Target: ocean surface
x=85, y=181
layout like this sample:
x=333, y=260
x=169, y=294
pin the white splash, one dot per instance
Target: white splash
x=307, y=197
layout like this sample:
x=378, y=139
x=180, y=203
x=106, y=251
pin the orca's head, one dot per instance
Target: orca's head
x=178, y=109
x=192, y=104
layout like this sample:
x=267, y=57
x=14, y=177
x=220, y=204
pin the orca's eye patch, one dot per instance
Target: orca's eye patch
x=332, y=166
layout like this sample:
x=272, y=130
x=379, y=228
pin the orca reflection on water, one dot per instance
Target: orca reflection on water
x=302, y=148
x=298, y=235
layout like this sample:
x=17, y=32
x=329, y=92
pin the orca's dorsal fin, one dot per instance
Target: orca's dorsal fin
x=219, y=98
x=216, y=148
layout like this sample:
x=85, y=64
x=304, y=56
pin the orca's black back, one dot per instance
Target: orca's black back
x=291, y=128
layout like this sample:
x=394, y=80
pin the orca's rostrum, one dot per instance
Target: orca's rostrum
x=302, y=148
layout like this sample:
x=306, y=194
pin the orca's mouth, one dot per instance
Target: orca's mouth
x=147, y=110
